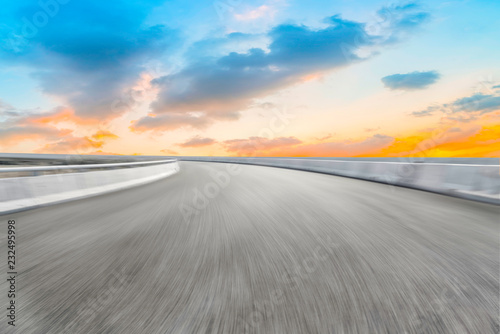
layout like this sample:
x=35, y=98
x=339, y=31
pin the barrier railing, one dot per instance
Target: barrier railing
x=38, y=170
x=479, y=182
x=19, y=193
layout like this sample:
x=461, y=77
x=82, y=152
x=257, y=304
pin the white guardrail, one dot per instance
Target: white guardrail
x=480, y=182
x=19, y=193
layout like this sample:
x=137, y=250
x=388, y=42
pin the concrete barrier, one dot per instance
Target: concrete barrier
x=20, y=193
x=480, y=182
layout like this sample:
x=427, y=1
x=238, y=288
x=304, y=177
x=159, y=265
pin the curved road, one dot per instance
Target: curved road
x=264, y=250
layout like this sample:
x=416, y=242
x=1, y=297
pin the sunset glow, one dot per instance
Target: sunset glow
x=255, y=78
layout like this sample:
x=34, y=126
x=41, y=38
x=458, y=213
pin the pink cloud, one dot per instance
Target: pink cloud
x=257, y=13
x=198, y=142
x=258, y=145
x=291, y=146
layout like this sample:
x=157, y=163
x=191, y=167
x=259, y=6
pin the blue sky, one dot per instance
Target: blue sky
x=158, y=76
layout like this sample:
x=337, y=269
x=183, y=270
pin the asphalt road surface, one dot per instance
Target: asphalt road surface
x=256, y=250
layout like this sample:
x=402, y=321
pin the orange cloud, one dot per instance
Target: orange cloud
x=60, y=115
x=169, y=152
x=258, y=146
x=103, y=135
x=293, y=147
x=72, y=145
x=346, y=148
x=17, y=133
x=99, y=152
x=482, y=144
x=469, y=140
x=311, y=77
x=474, y=141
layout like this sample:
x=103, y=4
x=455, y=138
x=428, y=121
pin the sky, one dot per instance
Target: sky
x=345, y=78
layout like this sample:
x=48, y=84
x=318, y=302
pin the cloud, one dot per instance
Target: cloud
x=212, y=47
x=347, y=148
x=496, y=87
x=476, y=103
x=18, y=125
x=411, y=81
x=469, y=140
x=227, y=84
x=58, y=115
x=464, y=109
x=100, y=152
x=169, y=122
x=17, y=133
x=103, y=135
x=170, y=152
x=291, y=146
x=220, y=87
x=257, y=145
x=257, y=13
x=7, y=112
x=71, y=144
x=324, y=138
x=22, y=125
x=4, y=107
x=398, y=21
x=427, y=111
x=197, y=142
x=88, y=54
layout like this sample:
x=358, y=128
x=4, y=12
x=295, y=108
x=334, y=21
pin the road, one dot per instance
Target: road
x=265, y=250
